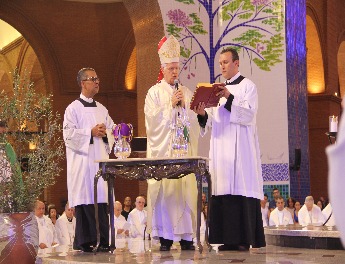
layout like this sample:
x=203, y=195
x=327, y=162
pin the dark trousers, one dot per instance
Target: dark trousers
x=85, y=230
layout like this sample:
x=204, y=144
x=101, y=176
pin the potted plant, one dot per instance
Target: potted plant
x=31, y=149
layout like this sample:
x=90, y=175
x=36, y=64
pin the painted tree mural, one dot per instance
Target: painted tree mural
x=253, y=27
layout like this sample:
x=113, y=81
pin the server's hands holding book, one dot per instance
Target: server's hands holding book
x=208, y=95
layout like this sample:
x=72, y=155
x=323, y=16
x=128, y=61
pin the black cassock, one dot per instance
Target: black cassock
x=236, y=220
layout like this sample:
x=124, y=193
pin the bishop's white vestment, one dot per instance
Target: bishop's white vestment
x=172, y=204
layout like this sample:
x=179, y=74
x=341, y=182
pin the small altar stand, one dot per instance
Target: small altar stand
x=152, y=168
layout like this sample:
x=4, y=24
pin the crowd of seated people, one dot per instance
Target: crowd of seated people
x=130, y=219
x=310, y=213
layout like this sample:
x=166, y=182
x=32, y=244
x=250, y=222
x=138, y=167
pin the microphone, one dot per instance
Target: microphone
x=176, y=87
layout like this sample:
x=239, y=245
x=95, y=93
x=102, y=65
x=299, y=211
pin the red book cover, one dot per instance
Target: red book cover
x=206, y=92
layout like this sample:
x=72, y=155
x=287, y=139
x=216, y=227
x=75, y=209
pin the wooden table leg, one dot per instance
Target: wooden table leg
x=99, y=174
x=209, y=184
x=111, y=211
x=199, y=209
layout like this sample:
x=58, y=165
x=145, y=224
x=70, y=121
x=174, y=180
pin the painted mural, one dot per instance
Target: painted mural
x=256, y=29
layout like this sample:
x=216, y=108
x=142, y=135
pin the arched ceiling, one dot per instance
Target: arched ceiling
x=96, y=1
x=7, y=33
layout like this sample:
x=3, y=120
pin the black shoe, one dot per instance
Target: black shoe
x=227, y=247
x=188, y=247
x=243, y=248
x=164, y=248
x=86, y=249
x=103, y=248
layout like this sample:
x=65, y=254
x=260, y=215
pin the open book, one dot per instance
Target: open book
x=206, y=92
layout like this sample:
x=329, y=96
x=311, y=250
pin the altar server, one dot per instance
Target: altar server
x=87, y=132
x=235, y=165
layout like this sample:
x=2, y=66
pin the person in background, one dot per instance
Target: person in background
x=65, y=226
x=273, y=203
x=280, y=215
x=295, y=214
x=264, y=212
x=310, y=213
x=127, y=207
x=235, y=164
x=46, y=230
x=320, y=204
x=87, y=132
x=266, y=199
x=10, y=171
x=52, y=213
x=291, y=206
x=137, y=218
x=204, y=199
x=121, y=226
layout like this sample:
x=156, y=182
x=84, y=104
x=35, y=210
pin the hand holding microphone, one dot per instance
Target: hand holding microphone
x=177, y=97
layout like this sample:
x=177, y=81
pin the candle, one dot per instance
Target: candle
x=333, y=124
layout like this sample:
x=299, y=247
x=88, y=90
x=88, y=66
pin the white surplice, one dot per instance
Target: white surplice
x=137, y=220
x=65, y=230
x=171, y=203
x=119, y=223
x=314, y=216
x=327, y=211
x=81, y=155
x=235, y=164
x=284, y=219
x=264, y=214
x=46, y=232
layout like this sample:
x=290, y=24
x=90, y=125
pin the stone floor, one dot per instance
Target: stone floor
x=146, y=254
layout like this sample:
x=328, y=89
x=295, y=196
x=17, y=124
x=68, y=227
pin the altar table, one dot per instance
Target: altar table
x=152, y=168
